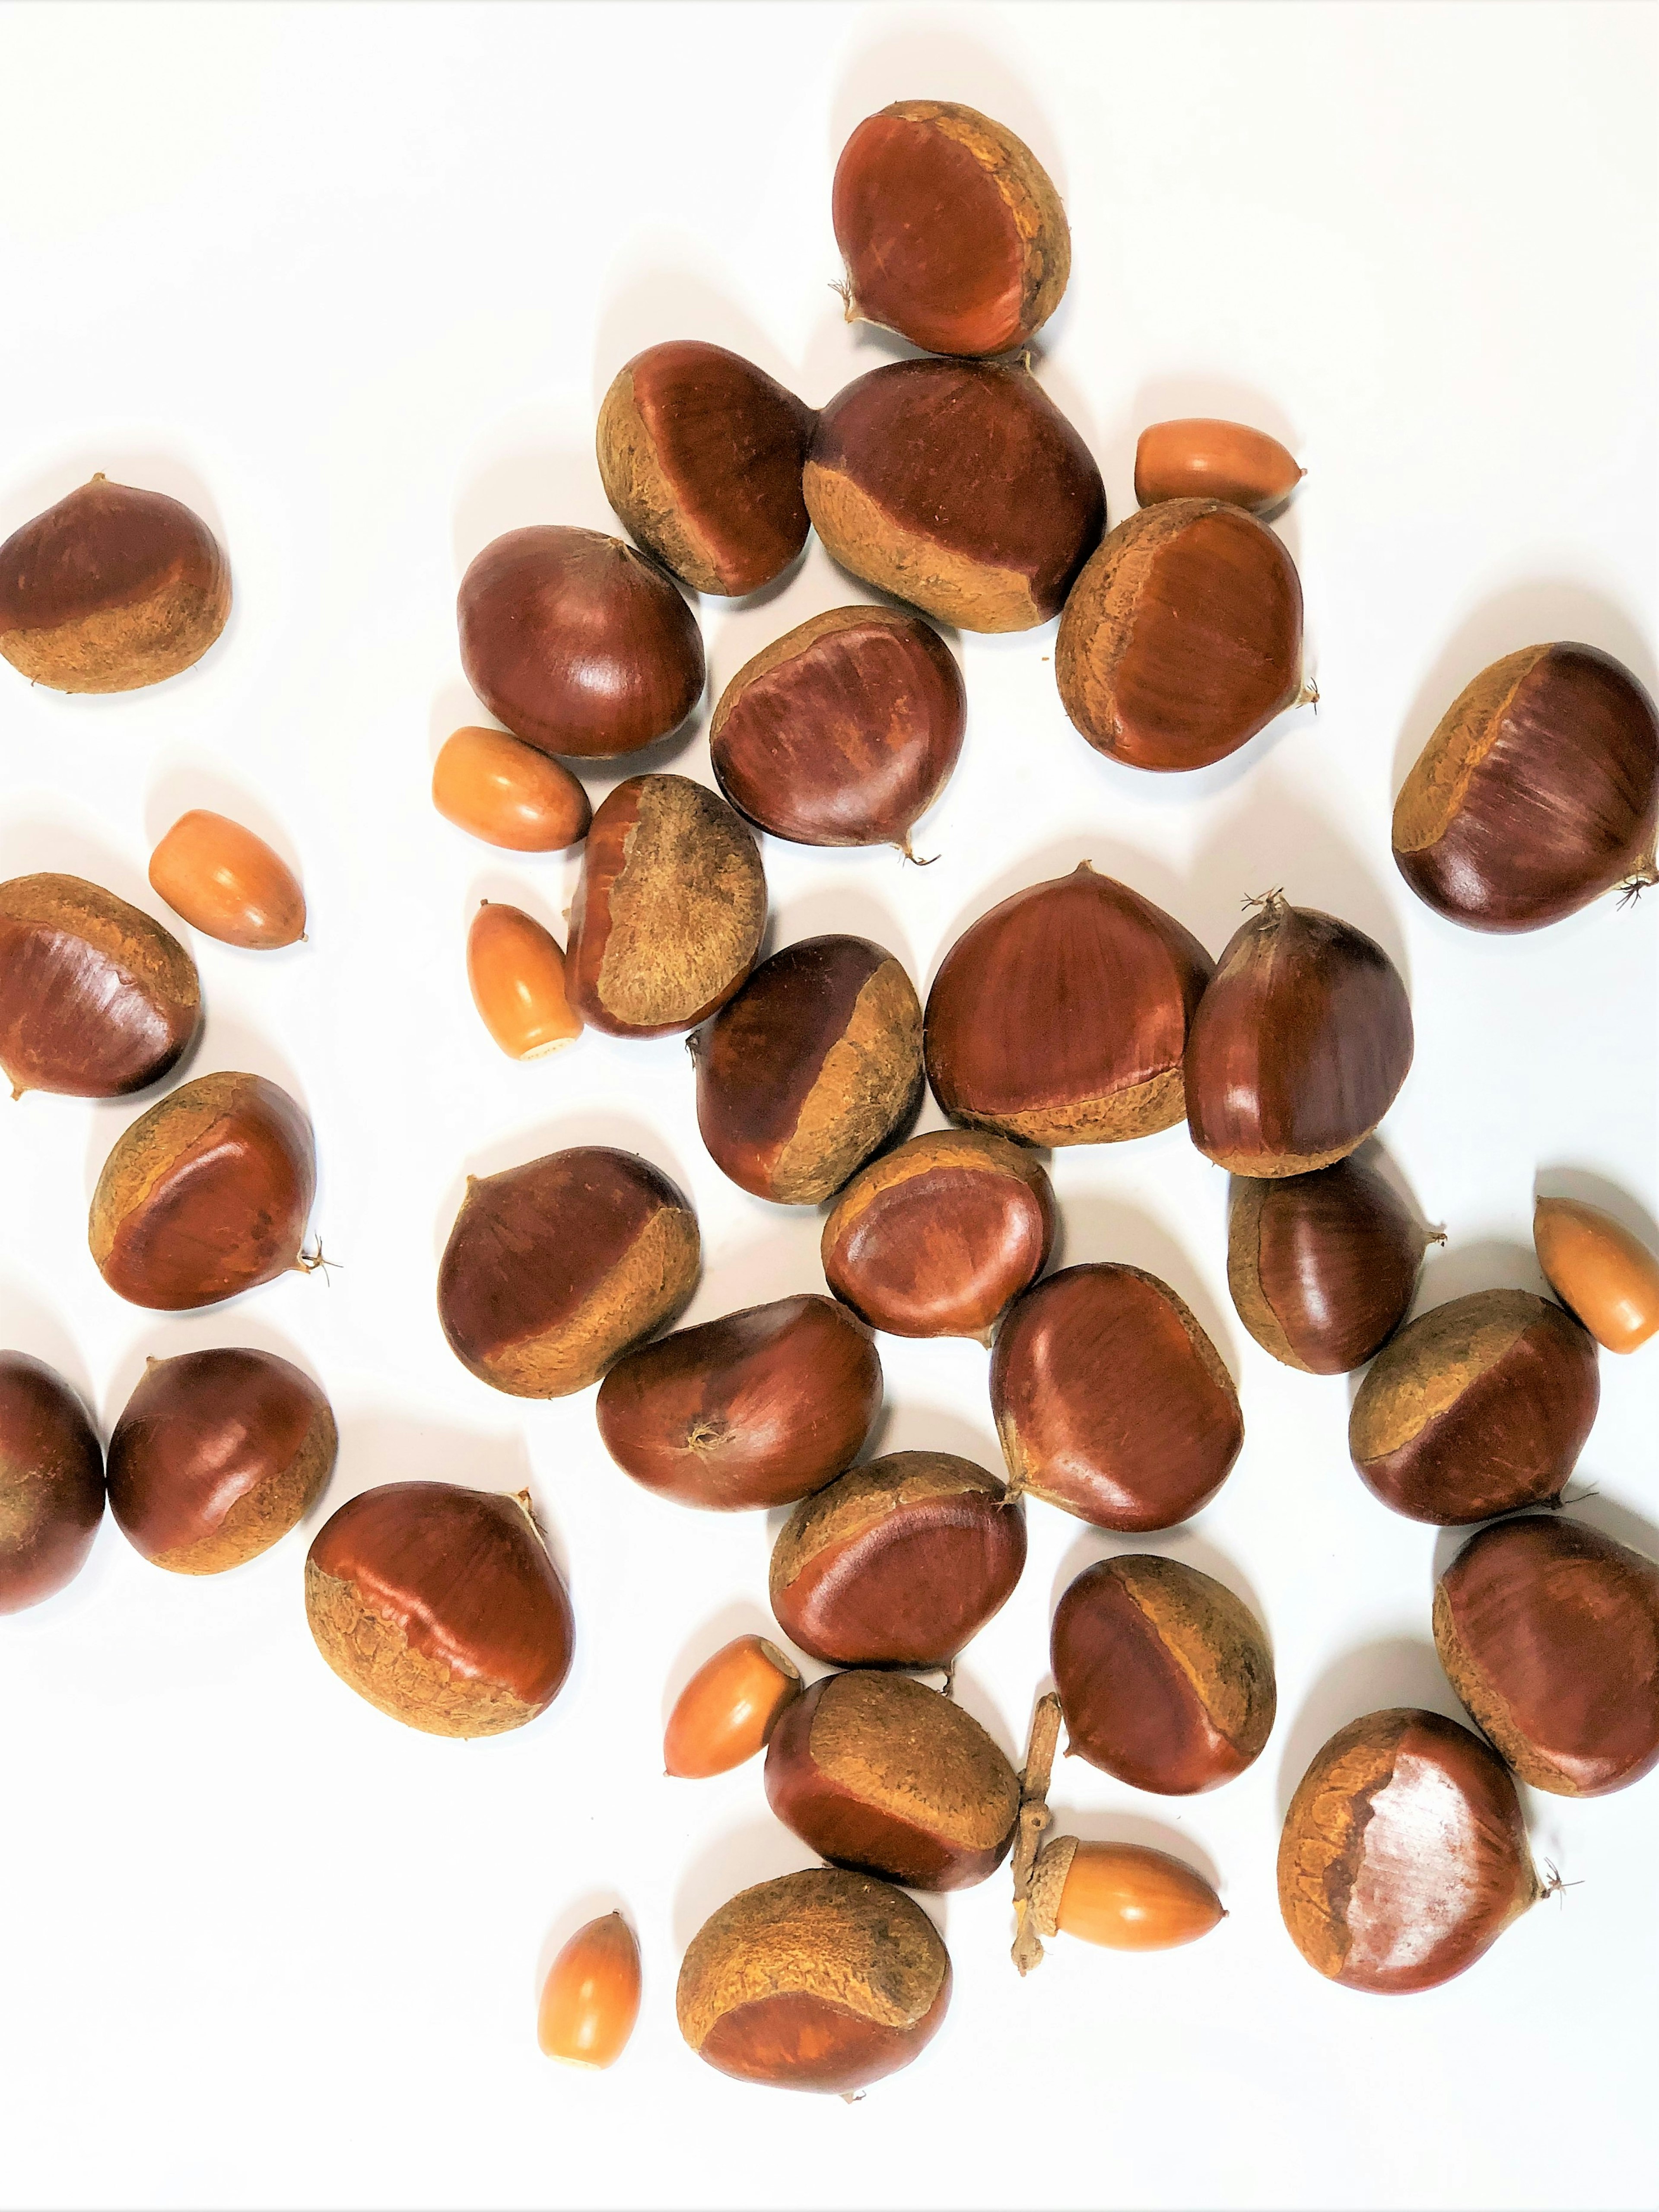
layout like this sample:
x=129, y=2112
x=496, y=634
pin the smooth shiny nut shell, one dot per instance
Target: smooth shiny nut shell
x=228, y=883
x=1322, y=1266
x=1599, y=1271
x=729, y=1708
x=591, y=1998
x=516, y=972
x=1199, y=457
x=495, y=788
x=52, y=1482
x=1124, y=1897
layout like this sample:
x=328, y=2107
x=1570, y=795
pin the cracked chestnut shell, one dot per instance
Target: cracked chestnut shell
x=52, y=1482
x=1199, y=457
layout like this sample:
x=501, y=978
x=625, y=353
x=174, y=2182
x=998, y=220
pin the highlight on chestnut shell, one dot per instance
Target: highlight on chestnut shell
x=726, y=1712
x=1123, y=1897
x=497, y=788
x=591, y=1998
x=52, y=1482
x=1604, y=1276
x=515, y=971
x=1200, y=457
x=228, y=883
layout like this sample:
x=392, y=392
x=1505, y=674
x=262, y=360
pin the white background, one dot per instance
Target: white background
x=352, y=282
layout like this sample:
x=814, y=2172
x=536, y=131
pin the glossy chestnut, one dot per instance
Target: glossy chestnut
x=729, y=1708
x=516, y=973
x=496, y=788
x=52, y=1482
x=1124, y=1897
x=228, y=883
x=591, y=1998
x=1199, y=457
x=1600, y=1273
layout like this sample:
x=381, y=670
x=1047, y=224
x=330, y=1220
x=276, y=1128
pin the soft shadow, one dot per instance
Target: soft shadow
x=753, y=1851
x=1595, y=1190
x=660, y=298
x=598, y=1126
x=529, y=486
x=1372, y=1155
x=742, y=1617
x=50, y=844
x=1490, y=1263
x=912, y=1426
x=1610, y=1516
x=1397, y=1670
x=1093, y=1227
x=1181, y=1543
x=844, y=910
x=783, y=1264
x=27, y=1325
x=456, y=707
x=1131, y=1828
x=968, y=1692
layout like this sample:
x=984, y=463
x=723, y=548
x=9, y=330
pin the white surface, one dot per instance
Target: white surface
x=352, y=282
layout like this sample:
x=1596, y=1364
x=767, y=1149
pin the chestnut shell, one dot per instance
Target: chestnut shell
x=1323, y=1267
x=52, y=1482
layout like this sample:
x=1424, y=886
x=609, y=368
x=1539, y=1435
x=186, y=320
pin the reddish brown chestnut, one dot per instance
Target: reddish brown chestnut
x=1299, y=1045
x=112, y=589
x=669, y=912
x=880, y=1774
x=228, y=883
x=754, y=1409
x=577, y=643
x=1476, y=1406
x=1183, y=637
x=216, y=1456
x=1111, y=1401
x=1538, y=791
x=899, y=1563
x=52, y=1482
x=938, y=1237
x=823, y=1980
x=1404, y=1854
x=701, y=453
x=1164, y=1676
x=812, y=1067
x=207, y=1194
x=441, y=1606
x=494, y=786
x=554, y=1269
x=958, y=486
x=844, y=732
x=1061, y=1017
x=950, y=230
x=1550, y=1634
x=96, y=1000
x=1200, y=458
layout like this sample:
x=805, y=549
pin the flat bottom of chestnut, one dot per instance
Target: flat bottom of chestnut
x=377, y=1661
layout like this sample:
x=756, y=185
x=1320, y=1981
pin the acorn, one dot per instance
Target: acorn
x=496, y=788
x=52, y=1482
x=1124, y=1897
x=1200, y=458
x=1600, y=1273
x=591, y=1998
x=515, y=971
x=728, y=1709
x=228, y=883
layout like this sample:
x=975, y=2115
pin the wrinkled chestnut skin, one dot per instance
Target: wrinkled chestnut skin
x=1061, y=1017
x=577, y=643
x=1477, y=1407
x=52, y=1482
x=1538, y=791
x=701, y=453
x=1299, y=1045
x=958, y=486
x=1550, y=1634
x=1404, y=1854
x=898, y=1563
x=1201, y=458
x=814, y=1066
x=96, y=1000
x=844, y=732
x=1111, y=1401
x=1323, y=1267
x=753, y=1410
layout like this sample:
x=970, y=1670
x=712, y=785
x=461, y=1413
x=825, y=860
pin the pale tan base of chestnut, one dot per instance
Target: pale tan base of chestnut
x=376, y=1661
x=860, y=533
x=124, y=648
x=1141, y=1110
x=262, y=1516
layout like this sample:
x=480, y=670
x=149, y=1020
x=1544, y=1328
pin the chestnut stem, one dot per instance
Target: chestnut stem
x=310, y=1263
x=1643, y=874
x=1034, y=1817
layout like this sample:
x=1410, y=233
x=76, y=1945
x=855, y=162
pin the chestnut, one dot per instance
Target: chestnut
x=811, y=1067
x=578, y=643
x=729, y=1708
x=897, y=1563
x=207, y=1194
x=1164, y=1676
x=950, y=230
x=555, y=1268
x=700, y=454
x=822, y=1980
x=1404, y=1854
x=881, y=1774
x=516, y=973
x=1322, y=1266
x=591, y=1998
x=1299, y=1045
x=1200, y=458
x=112, y=589
x=52, y=1482
x=228, y=883
x=1477, y=1407
x=216, y=1456
x=937, y=1237
x=754, y=1409
x=96, y=1000
x=496, y=788
x=1601, y=1274
x=844, y=732
x=1061, y=1017
x=959, y=486
x=440, y=1606
x=1538, y=791
x=1550, y=1634
x=1111, y=1401
x=1123, y=1896
x=669, y=912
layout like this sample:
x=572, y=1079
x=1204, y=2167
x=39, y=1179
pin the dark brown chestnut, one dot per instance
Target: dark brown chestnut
x=1538, y=791
x=112, y=589
x=956, y=485
x=441, y=1606
x=1550, y=1634
x=1404, y=1854
x=207, y=1194
x=1164, y=1676
x=898, y=1563
x=881, y=1774
x=814, y=1066
x=939, y=1236
x=96, y=1000
x=1477, y=1407
x=1322, y=1266
x=669, y=912
x=844, y=732
x=1200, y=458
x=216, y=1456
x=52, y=1482
x=1061, y=1017
x=1299, y=1045
x=950, y=230
x=578, y=643
x=701, y=453
x=754, y=1409
x=1111, y=1401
